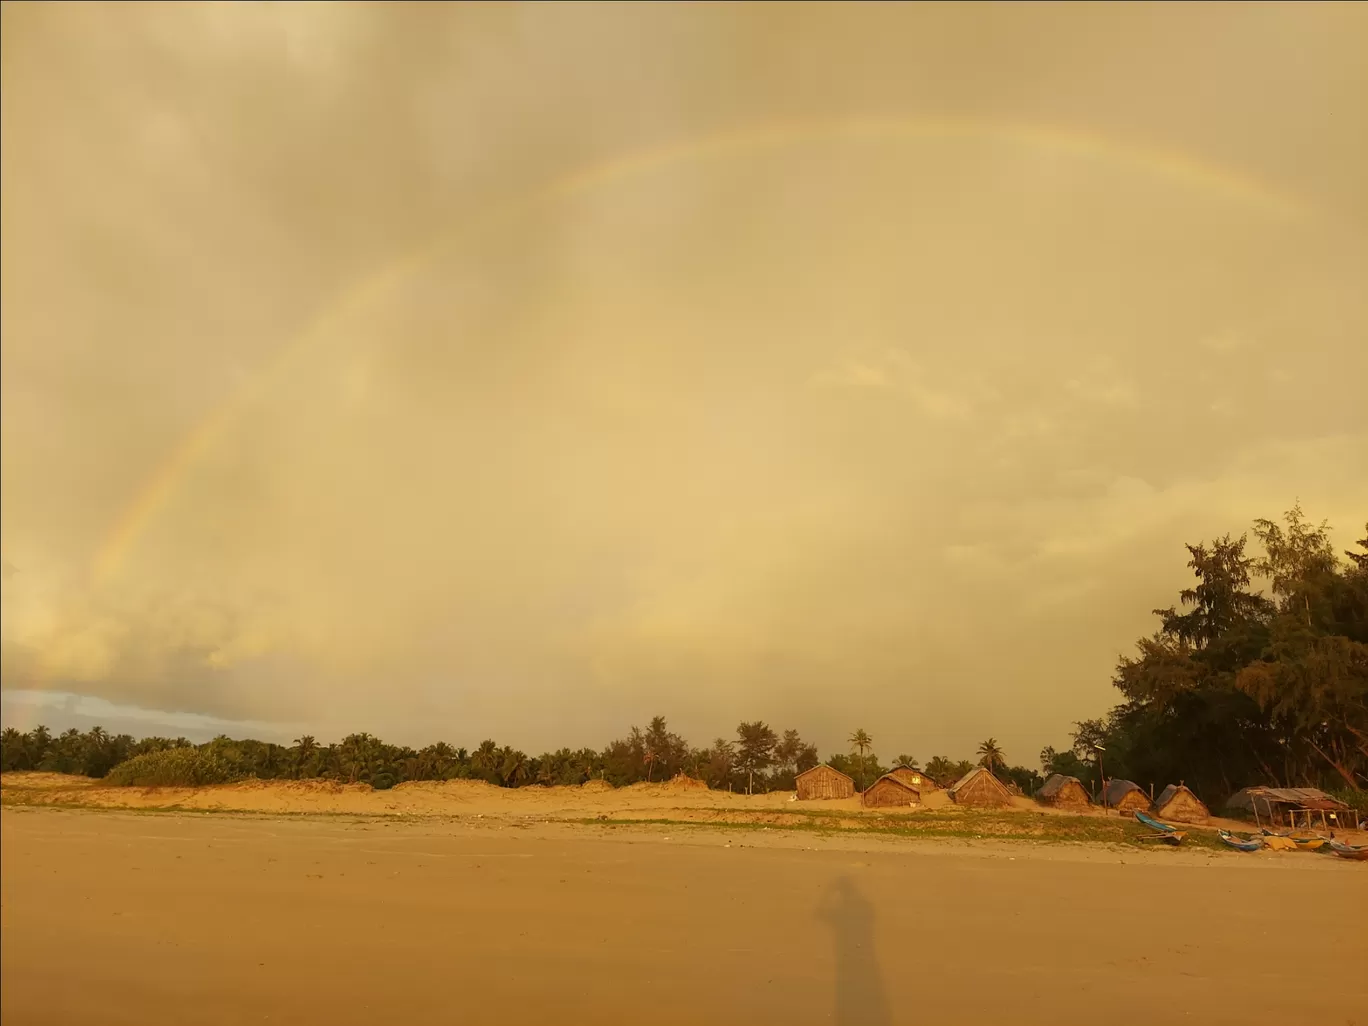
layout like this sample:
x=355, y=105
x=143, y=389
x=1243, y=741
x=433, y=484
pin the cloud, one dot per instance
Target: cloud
x=823, y=431
x=897, y=376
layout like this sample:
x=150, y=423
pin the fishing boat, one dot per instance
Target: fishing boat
x=1358, y=852
x=1154, y=824
x=1239, y=843
x=1162, y=831
x=1302, y=841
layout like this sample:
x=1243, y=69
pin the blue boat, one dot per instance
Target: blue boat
x=1239, y=844
x=1162, y=831
x=1154, y=824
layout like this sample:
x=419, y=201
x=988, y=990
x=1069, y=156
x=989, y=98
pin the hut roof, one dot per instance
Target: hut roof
x=926, y=777
x=1118, y=789
x=899, y=781
x=1055, y=784
x=1168, y=793
x=1301, y=797
x=912, y=776
x=823, y=766
x=976, y=771
x=979, y=787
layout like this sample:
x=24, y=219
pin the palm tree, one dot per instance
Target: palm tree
x=908, y=761
x=358, y=756
x=304, y=748
x=513, y=767
x=990, y=755
x=485, y=760
x=861, y=742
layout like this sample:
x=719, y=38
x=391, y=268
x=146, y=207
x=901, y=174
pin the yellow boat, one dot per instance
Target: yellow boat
x=1304, y=842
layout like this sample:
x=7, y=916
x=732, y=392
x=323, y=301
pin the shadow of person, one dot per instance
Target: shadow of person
x=860, y=997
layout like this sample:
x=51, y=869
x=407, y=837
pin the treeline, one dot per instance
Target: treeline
x=758, y=759
x=1234, y=688
x=1238, y=688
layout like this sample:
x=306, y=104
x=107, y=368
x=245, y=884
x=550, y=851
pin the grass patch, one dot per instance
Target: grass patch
x=951, y=823
x=959, y=825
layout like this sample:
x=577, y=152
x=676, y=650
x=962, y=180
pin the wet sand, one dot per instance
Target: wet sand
x=113, y=917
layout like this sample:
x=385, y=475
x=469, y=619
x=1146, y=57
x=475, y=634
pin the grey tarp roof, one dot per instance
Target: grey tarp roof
x=1056, y=784
x=1118, y=789
x=1167, y=794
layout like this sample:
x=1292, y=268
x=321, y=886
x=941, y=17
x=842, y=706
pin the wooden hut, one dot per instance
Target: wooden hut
x=1063, y=792
x=890, y=790
x=1180, y=805
x=915, y=777
x=980, y=789
x=824, y=782
x=1126, y=796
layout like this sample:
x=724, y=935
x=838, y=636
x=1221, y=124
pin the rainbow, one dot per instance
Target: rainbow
x=162, y=484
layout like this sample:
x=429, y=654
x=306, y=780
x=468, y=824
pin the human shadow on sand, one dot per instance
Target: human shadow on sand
x=860, y=996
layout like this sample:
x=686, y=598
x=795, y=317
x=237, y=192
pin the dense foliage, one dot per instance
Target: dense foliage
x=1237, y=688
x=758, y=758
x=175, y=767
x=1234, y=688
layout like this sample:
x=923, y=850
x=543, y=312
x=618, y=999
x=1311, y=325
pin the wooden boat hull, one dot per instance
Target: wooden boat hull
x=1349, y=851
x=1303, y=843
x=1239, y=844
x=1154, y=824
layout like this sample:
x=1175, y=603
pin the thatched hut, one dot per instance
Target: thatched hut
x=1063, y=792
x=1180, y=805
x=1126, y=796
x=824, y=782
x=980, y=789
x=890, y=790
x=914, y=777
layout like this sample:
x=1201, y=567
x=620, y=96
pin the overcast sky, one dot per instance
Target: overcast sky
x=525, y=371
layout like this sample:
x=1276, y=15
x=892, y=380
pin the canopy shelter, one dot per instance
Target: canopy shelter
x=1295, y=806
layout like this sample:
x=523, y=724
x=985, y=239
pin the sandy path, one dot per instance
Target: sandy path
x=121, y=918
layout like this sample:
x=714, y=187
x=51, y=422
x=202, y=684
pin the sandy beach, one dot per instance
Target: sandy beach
x=195, y=917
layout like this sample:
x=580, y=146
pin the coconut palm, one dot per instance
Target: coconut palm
x=486, y=759
x=907, y=760
x=990, y=755
x=514, y=767
x=304, y=749
x=861, y=742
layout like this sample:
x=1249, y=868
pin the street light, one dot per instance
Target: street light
x=1101, y=773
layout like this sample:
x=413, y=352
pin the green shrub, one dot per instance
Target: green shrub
x=1356, y=800
x=174, y=767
